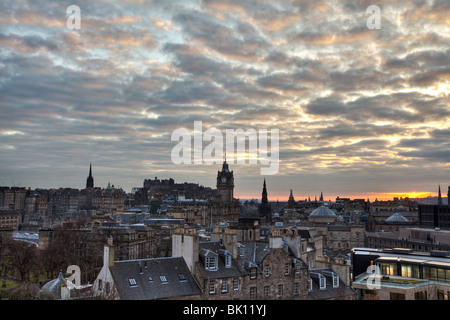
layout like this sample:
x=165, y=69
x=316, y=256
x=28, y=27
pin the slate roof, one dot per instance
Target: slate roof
x=397, y=218
x=149, y=276
x=339, y=293
x=322, y=212
x=254, y=253
x=222, y=271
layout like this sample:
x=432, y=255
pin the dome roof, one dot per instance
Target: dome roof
x=322, y=212
x=397, y=217
x=54, y=286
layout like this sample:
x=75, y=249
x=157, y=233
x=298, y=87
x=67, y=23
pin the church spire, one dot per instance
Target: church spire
x=265, y=211
x=291, y=201
x=264, y=193
x=439, y=197
x=90, y=178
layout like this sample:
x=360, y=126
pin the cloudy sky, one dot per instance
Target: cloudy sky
x=361, y=112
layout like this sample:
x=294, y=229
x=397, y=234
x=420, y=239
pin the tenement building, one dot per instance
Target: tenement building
x=238, y=264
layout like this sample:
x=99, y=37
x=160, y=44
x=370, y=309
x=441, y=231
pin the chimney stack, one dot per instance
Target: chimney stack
x=108, y=253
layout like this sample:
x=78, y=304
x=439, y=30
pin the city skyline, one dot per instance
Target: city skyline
x=254, y=195
x=361, y=112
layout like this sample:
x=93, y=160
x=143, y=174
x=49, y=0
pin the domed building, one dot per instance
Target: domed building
x=396, y=221
x=57, y=287
x=322, y=215
x=397, y=218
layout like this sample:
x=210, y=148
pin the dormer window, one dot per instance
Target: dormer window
x=297, y=268
x=335, y=281
x=211, y=263
x=322, y=282
x=228, y=260
x=253, y=273
x=241, y=250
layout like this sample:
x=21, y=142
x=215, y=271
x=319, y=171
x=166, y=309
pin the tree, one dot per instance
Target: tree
x=24, y=257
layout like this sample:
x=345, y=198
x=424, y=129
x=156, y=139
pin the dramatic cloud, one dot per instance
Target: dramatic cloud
x=359, y=110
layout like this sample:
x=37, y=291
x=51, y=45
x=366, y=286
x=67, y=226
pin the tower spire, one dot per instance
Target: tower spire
x=265, y=211
x=439, y=197
x=90, y=178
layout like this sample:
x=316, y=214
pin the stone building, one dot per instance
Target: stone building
x=339, y=235
x=9, y=218
x=392, y=220
x=228, y=267
x=144, y=279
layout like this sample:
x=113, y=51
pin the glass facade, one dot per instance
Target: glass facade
x=389, y=269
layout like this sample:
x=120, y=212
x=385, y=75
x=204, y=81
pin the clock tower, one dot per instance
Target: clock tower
x=225, y=184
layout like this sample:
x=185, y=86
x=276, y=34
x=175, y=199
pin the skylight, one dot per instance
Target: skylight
x=182, y=277
x=132, y=282
x=163, y=279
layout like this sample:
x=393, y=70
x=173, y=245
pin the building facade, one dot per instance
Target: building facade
x=400, y=274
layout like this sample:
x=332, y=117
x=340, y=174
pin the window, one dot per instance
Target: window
x=397, y=296
x=212, y=286
x=441, y=275
x=150, y=279
x=410, y=271
x=228, y=260
x=297, y=268
x=420, y=295
x=267, y=292
x=252, y=292
x=323, y=284
x=280, y=290
x=295, y=289
x=211, y=263
x=335, y=281
x=181, y=277
x=107, y=287
x=132, y=282
x=287, y=269
x=236, y=284
x=441, y=295
x=266, y=270
x=253, y=273
x=224, y=288
x=389, y=269
x=241, y=249
x=163, y=279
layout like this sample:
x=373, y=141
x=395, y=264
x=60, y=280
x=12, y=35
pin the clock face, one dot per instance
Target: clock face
x=224, y=180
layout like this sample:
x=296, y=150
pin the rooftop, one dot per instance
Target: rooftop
x=158, y=278
x=322, y=212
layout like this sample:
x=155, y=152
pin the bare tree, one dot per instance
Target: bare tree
x=24, y=258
